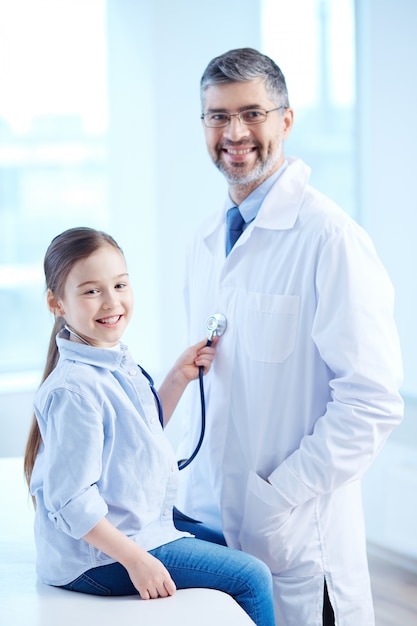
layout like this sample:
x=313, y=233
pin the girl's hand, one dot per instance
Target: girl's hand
x=199, y=355
x=150, y=577
x=185, y=369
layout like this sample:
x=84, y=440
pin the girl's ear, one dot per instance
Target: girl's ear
x=54, y=304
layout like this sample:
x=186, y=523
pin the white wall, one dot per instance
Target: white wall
x=387, y=134
x=387, y=101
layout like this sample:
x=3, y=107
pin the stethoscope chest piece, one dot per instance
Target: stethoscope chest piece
x=216, y=325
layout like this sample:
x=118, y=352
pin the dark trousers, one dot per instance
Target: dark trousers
x=328, y=614
x=196, y=528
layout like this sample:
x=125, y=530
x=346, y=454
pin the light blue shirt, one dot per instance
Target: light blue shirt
x=104, y=454
x=250, y=206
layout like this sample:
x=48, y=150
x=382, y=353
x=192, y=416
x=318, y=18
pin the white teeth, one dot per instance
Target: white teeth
x=230, y=151
x=110, y=320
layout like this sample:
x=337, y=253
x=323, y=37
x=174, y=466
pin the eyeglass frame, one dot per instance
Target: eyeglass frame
x=230, y=115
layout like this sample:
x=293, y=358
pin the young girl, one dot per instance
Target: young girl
x=100, y=468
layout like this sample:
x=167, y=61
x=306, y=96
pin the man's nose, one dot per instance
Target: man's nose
x=235, y=129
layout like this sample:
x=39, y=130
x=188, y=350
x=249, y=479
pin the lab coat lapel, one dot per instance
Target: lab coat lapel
x=280, y=209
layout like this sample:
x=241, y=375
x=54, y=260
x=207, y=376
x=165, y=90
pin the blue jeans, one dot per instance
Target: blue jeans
x=195, y=563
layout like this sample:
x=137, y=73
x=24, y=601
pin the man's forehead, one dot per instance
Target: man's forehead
x=238, y=94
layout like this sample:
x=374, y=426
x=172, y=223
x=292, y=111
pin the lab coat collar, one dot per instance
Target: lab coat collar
x=281, y=206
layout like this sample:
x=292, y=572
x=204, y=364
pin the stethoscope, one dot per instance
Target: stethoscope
x=215, y=325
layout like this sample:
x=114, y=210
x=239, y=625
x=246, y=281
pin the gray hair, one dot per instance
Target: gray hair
x=244, y=64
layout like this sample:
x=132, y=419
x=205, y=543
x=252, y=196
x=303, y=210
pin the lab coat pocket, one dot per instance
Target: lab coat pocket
x=263, y=529
x=271, y=322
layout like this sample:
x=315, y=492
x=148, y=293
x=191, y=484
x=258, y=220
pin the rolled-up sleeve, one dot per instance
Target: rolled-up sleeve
x=80, y=515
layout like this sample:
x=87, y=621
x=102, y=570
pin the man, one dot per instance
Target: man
x=304, y=388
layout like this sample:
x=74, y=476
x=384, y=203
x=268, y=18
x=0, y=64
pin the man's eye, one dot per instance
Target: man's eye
x=218, y=117
x=252, y=115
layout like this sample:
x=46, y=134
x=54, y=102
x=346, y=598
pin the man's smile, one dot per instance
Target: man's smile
x=235, y=151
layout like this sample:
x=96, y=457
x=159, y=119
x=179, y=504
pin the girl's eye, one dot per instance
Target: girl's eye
x=91, y=292
x=120, y=285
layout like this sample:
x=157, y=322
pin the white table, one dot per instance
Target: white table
x=24, y=601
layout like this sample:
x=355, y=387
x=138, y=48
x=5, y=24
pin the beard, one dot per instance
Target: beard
x=239, y=173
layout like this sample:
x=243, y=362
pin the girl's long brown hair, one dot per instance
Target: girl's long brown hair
x=64, y=251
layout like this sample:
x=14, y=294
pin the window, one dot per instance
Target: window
x=53, y=156
x=317, y=56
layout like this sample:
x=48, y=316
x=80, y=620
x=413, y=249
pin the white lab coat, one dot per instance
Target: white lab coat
x=303, y=392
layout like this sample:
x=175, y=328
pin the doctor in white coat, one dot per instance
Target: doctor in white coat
x=304, y=389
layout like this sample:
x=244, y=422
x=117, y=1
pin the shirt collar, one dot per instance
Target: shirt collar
x=292, y=185
x=250, y=206
x=99, y=357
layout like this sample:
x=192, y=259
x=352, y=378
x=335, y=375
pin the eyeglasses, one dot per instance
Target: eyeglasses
x=248, y=117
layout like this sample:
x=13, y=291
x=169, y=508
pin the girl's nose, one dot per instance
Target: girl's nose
x=111, y=300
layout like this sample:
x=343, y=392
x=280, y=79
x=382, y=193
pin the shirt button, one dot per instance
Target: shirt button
x=133, y=372
x=166, y=512
x=152, y=420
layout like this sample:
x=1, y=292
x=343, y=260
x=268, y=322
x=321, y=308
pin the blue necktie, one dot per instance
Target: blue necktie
x=235, y=224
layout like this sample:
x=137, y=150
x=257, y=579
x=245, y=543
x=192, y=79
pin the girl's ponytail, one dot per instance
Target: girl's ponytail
x=34, y=438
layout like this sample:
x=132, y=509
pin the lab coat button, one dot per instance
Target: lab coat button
x=133, y=372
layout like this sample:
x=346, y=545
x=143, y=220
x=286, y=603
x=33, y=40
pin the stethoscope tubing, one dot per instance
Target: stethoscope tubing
x=215, y=325
x=184, y=462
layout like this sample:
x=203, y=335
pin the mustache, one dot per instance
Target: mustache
x=237, y=144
